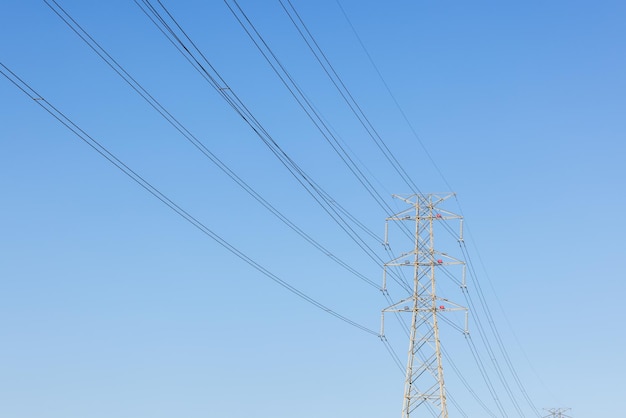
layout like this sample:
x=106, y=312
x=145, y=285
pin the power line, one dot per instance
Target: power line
x=176, y=35
x=154, y=103
x=311, y=111
x=304, y=102
x=392, y=95
x=347, y=213
x=484, y=374
x=341, y=87
x=483, y=336
x=191, y=138
x=465, y=382
x=501, y=309
x=496, y=333
x=104, y=152
x=413, y=130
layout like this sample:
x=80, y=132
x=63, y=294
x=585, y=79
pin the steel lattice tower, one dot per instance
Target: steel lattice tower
x=557, y=413
x=424, y=379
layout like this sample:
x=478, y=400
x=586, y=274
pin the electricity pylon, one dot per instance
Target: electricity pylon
x=424, y=380
x=557, y=413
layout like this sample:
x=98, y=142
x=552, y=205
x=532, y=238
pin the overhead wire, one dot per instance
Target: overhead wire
x=504, y=315
x=161, y=110
x=456, y=404
x=503, y=380
x=485, y=375
x=439, y=171
x=473, y=311
x=304, y=102
x=225, y=89
x=115, y=161
x=322, y=59
x=496, y=333
x=191, y=138
x=177, y=125
x=392, y=352
x=465, y=383
x=492, y=356
x=392, y=95
x=309, y=108
x=345, y=93
x=175, y=34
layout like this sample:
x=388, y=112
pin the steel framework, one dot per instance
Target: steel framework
x=424, y=378
x=557, y=413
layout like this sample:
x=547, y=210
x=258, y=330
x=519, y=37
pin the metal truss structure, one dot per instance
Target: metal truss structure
x=557, y=413
x=424, y=380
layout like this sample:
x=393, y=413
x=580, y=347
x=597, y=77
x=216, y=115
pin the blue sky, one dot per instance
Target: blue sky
x=112, y=305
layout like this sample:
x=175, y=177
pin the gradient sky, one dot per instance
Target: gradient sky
x=113, y=306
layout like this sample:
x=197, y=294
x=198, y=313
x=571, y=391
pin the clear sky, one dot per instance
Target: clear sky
x=112, y=305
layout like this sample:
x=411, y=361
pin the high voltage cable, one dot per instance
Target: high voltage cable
x=456, y=404
x=505, y=354
x=487, y=311
x=198, y=144
x=506, y=318
x=355, y=156
x=343, y=90
x=314, y=47
x=492, y=356
x=304, y=102
x=484, y=374
x=358, y=223
x=156, y=105
x=322, y=59
x=493, y=328
x=452, y=324
x=498, y=337
x=308, y=107
x=465, y=383
x=393, y=97
x=392, y=353
x=219, y=84
x=226, y=88
x=413, y=130
x=176, y=35
x=104, y=152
